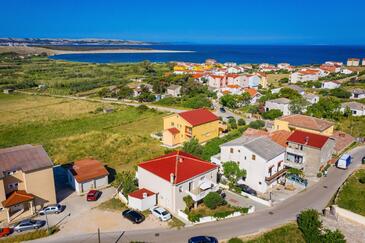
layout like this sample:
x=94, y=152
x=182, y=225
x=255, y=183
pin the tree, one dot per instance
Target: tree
x=327, y=107
x=125, y=92
x=244, y=99
x=253, y=109
x=333, y=236
x=229, y=101
x=289, y=93
x=232, y=172
x=189, y=202
x=193, y=147
x=297, y=106
x=232, y=123
x=241, y=122
x=340, y=93
x=213, y=199
x=125, y=182
x=257, y=124
x=310, y=225
x=272, y=114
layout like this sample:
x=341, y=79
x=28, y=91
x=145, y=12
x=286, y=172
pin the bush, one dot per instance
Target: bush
x=222, y=214
x=142, y=108
x=235, y=240
x=241, y=122
x=193, y=147
x=272, y=114
x=319, y=174
x=310, y=225
x=189, y=203
x=213, y=200
x=362, y=180
x=194, y=217
x=257, y=124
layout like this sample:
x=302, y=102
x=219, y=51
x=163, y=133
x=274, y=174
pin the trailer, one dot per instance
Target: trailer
x=344, y=161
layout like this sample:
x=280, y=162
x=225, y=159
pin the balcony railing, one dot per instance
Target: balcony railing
x=273, y=177
x=198, y=194
x=292, y=164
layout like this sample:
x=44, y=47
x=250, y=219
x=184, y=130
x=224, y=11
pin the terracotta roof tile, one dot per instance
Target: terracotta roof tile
x=88, y=169
x=307, y=138
x=307, y=122
x=17, y=197
x=139, y=193
x=173, y=130
x=198, y=116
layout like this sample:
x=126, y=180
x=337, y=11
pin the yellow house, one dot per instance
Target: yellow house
x=26, y=181
x=180, y=127
x=304, y=123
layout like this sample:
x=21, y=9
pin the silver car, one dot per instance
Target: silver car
x=161, y=213
x=29, y=224
x=51, y=209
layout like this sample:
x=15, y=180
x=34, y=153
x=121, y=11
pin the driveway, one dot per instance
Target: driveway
x=240, y=201
x=316, y=196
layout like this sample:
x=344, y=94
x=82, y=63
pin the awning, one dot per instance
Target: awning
x=17, y=197
x=205, y=185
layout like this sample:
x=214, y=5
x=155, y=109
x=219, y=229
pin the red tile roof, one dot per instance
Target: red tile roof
x=139, y=193
x=173, y=130
x=280, y=137
x=308, y=122
x=306, y=138
x=17, y=197
x=252, y=92
x=88, y=169
x=198, y=116
x=182, y=165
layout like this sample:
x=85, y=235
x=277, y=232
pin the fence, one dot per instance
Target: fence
x=257, y=199
x=349, y=215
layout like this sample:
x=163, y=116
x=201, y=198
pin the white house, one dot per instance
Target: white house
x=253, y=81
x=357, y=94
x=305, y=75
x=174, y=90
x=262, y=158
x=297, y=88
x=357, y=109
x=175, y=175
x=330, y=85
x=311, y=98
x=216, y=81
x=353, y=62
x=142, y=199
x=346, y=71
x=281, y=104
x=86, y=175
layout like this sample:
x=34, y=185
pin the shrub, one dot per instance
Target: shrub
x=310, y=225
x=194, y=217
x=193, y=147
x=362, y=180
x=241, y=122
x=188, y=202
x=272, y=114
x=142, y=108
x=319, y=174
x=213, y=200
x=257, y=124
x=222, y=214
x=235, y=240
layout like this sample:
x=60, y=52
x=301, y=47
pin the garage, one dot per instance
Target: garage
x=142, y=199
x=88, y=174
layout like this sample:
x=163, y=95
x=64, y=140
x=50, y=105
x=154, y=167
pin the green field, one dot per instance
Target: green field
x=352, y=194
x=71, y=130
x=284, y=234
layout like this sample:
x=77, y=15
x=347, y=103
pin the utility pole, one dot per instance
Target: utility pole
x=45, y=213
x=99, y=235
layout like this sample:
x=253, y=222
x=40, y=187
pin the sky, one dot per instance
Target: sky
x=313, y=22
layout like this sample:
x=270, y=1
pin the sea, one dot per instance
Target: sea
x=273, y=54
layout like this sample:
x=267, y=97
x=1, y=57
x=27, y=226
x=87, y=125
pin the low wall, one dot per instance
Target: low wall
x=257, y=199
x=349, y=215
x=122, y=198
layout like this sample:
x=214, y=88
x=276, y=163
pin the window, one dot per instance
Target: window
x=301, y=147
x=253, y=157
x=245, y=157
x=190, y=186
x=172, y=124
x=231, y=150
x=11, y=172
x=180, y=188
x=13, y=185
x=239, y=151
x=202, y=178
x=260, y=183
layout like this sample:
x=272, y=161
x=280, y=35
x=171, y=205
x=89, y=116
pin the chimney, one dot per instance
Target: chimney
x=306, y=140
x=172, y=178
x=144, y=195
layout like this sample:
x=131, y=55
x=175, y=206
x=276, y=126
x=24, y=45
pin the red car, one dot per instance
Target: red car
x=93, y=195
x=4, y=232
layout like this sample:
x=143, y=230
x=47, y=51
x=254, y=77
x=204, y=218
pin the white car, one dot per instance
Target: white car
x=161, y=213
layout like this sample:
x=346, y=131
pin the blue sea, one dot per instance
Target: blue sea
x=295, y=55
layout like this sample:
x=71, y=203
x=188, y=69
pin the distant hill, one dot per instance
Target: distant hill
x=62, y=41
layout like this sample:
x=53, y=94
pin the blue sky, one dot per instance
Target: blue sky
x=199, y=21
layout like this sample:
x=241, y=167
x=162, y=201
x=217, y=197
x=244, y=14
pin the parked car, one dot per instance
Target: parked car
x=161, y=213
x=222, y=110
x=93, y=195
x=29, y=224
x=363, y=160
x=133, y=216
x=51, y=209
x=247, y=189
x=5, y=232
x=203, y=239
x=222, y=193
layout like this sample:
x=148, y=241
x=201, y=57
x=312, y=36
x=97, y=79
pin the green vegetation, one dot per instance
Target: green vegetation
x=286, y=233
x=235, y=101
x=193, y=147
x=125, y=182
x=272, y=114
x=257, y=124
x=113, y=204
x=71, y=130
x=311, y=226
x=33, y=235
x=213, y=199
x=175, y=223
x=233, y=173
x=352, y=194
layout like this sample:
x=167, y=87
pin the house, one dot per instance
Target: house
x=357, y=94
x=87, y=174
x=331, y=85
x=346, y=71
x=353, y=62
x=142, y=199
x=231, y=89
x=304, y=123
x=253, y=94
x=253, y=81
x=357, y=109
x=305, y=75
x=311, y=98
x=283, y=66
x=181, y=127
x=216, y=81
x=173, y=176
x=281, y=104
x=174, y=90
x=26, y=181
x=280, y=136
x=8, y=91
x=263, y=79
x=262, y=158
x=237, y=79
x=330, y=68
x=308, y=151
x=363, y=61
x=297, y=88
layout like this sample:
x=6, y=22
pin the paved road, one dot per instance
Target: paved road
x=317, y=197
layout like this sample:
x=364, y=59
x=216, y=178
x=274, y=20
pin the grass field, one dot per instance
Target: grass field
x=352, y=125
x=71, y=130
x=284, y=234
x=274, y=78
x=352, y=194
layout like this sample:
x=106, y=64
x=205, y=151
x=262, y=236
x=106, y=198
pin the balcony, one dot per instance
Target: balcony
x=270, y=179
x=201, y=191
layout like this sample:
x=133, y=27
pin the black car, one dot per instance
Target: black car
x=133, y=216
x=247, y=189
x=222, y=193
x=222, y=109
x=363, y=160
x=203, y=239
